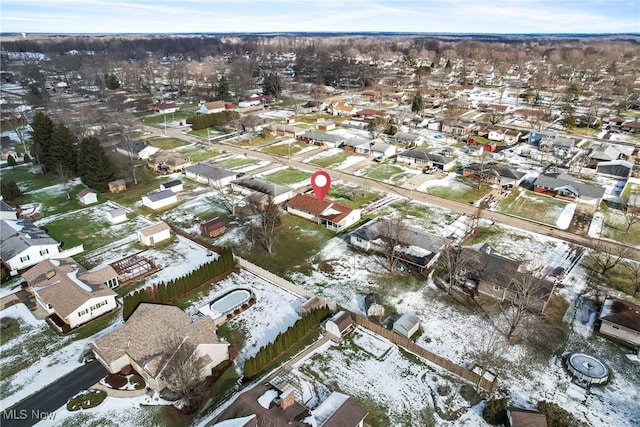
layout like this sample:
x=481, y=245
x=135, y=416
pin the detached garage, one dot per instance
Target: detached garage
x=159, y=199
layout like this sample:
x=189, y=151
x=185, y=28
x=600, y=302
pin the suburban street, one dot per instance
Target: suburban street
x=455, y=206
x=40, y=405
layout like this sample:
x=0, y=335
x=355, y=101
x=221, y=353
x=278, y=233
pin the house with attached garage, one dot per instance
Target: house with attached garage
x=565, y=186
x=332, y=215
x=136, y=149
x=423, y=157
x=23, y=244
x=211, y=107
x=621, y=320
x=406, y=139
x=71, y=294
x=159, y=199
x=322, y=138
x=154, y=234
x=259, y=190
x=152, y=336
x=494, y=173
x=168, y=162
x=210, y=174
x=166, y=108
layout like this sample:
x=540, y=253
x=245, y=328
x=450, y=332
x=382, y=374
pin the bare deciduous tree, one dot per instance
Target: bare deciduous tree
x=183, y=371
x=453, y=264
x=393, y=232
x=264, y=230
x=488, y=353
x=605, y=256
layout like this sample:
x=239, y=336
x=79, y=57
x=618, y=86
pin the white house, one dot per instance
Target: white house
x=176, y=186
x=87, y=197
x=334, y=216
x=156, y=233
x=406, y=325
x=66, y=290
x=211, y=107
x=260, y=190
x=339, y=324
x=150, y=338
x=116, y=216
x=136, y=149
x=23, y=244
x=159, y=199
x=6, y=211
x=496, y=135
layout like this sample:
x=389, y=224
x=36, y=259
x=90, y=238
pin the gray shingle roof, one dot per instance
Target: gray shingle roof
x=160, y=195
x=18, y=235
x=210, y=171
x=559, y=180
x=262, y=186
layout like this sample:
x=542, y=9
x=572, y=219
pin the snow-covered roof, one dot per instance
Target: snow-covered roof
x=336, y=410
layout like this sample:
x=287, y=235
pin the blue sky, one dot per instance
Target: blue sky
x=211, y=16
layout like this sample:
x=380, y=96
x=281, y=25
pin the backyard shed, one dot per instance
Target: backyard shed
x=116, y=216
x=213, y=227
x=156, y=233
x=117, y=186
x=373, y=305
x=175, y=186
x=339, y=324
x=87, y=197
x=406, y=325
x=159, y=199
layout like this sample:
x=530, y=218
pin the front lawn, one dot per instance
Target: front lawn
x=527, y=204
x=238, y=162
x=459, y=189
x=615, y=227
x=200, y=153
x=284, y=150
x=167, y=143
x=387, y=172
x=352, y=196
x=288, y=176
x=328, y=161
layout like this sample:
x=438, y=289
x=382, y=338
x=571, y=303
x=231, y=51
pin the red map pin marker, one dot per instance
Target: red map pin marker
x=320, y=182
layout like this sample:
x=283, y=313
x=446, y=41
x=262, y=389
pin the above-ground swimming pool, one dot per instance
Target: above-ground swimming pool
x=230, y=301
x=587, y=368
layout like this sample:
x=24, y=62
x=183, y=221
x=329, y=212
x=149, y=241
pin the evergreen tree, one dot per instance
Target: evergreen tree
x=222, y=91
x=9, y=189
x=63, y=155
x=111, y=81
x=418, y=103
x=94, y=166
x=11, y=161
x=42, y=127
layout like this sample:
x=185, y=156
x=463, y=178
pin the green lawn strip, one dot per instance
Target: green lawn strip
x=237, y=162
x=615, y=228
x=147, y=183
x=199, y=154
x=167, y=143
x=630, y=189
x=95, y=326
x=202, y=133
x=220, y=390
x=284, y=150
x=426, y=216
x=298, y=241
x=351, y=196
x=382, y=172
x=26, y=180
x=334, y=159
x=287, y=176
x=159, y=120
x=463, y=193
x=526, y=204
x=251, y=141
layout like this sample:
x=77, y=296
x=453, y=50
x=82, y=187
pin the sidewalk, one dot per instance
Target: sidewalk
x=119, y=393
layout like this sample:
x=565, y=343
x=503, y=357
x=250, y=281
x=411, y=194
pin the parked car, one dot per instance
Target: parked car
x=429, y=170
x=378, y=159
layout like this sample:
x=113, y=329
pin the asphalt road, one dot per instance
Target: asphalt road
x=42, y=404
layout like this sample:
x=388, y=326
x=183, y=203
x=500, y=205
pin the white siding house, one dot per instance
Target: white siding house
x=22, y=244
x=156, y=233
x=159, y=199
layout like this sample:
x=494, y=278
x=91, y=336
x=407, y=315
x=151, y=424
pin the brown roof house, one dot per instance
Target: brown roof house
x=518, y=417
x=168, y=162
x=213, y=227
x=69, y=292
x=151, y=338
x=621, y=320
x=332, y=215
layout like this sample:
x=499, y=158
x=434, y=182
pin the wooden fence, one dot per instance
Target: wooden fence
x=464, y=373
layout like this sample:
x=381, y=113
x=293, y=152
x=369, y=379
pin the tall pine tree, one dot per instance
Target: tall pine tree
x=42, y=127
x=63, y=154
x=94, y=166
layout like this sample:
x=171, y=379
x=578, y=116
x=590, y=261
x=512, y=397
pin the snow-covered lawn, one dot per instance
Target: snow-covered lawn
x=539, y=208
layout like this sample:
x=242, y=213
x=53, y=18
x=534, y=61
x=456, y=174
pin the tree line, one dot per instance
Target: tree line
x=59, y=152
x=212, y=120
x=284, y=341
x=169, y=292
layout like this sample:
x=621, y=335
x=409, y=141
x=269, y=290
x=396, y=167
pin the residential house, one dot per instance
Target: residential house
x=322, y=138
x=518, y=417
x=247, y=421
x=339, y=324
x=279, y=129
x=152, y=336
x=255, y=100
x=557, y=144
x=22, y=244
x=406, y=325
x=168, y=162
x=213, y=227
x=325, y=125
x=378, y=148
x=211, y=107
x=6, y=211
x=341, y=108
x=87, y=197
x=175, y=186
x=406, y=138
x=208, y=173
x=496, y=276
x=311, y=107
x=166, y=108
x=496, y=134
x=159, y=199
x=136, y=149
x=356, y=145
x=70, y=293
x=261, y=190
x=608, y=153
x=620, y=169
x=562, y=185
x=251, y=123
x=631, y=126
x=373, y=305
x=154, y=234
x=415, y=248
x=423, y=157
x=117, y=186
x=334, y=216
x=494, y=173
x=621, y=320
x=116, y=216
x=370, y=95
x=337, y=410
